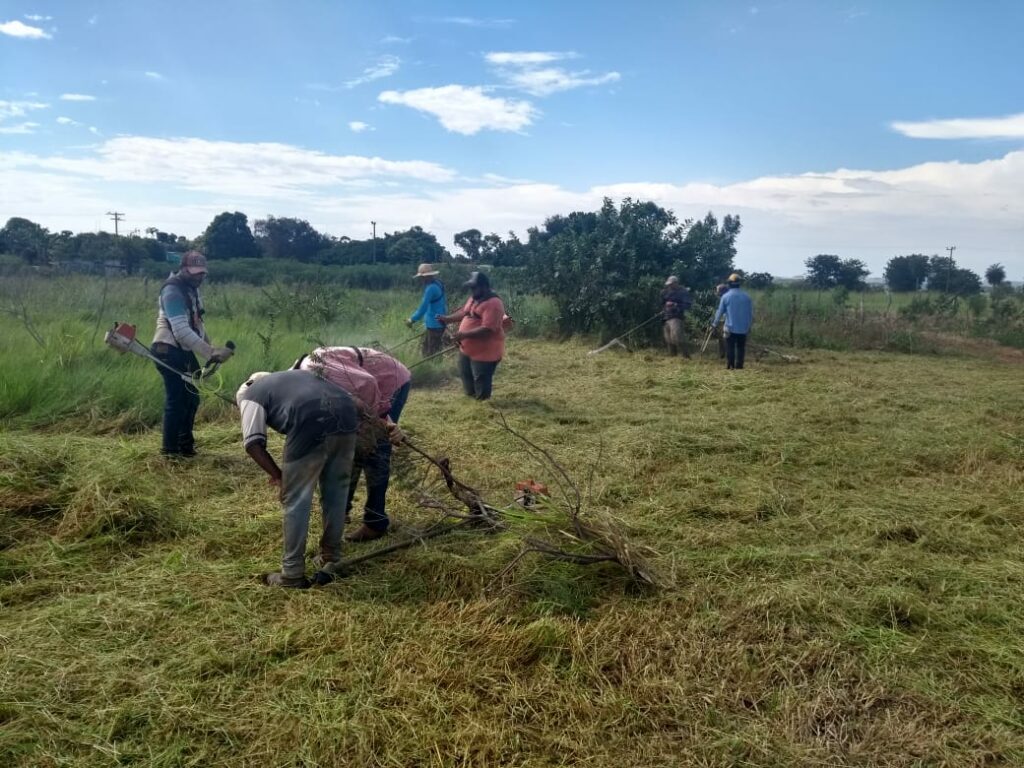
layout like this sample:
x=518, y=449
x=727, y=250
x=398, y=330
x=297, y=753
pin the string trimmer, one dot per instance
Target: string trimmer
x=122, y=338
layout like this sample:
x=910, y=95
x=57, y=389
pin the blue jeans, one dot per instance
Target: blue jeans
x=377, y=466
x=181, y=400
x=477, y=377
x=329, y=464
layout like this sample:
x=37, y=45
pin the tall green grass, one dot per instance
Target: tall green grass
x=73, y=376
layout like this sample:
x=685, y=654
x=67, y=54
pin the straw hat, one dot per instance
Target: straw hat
x=426, y=270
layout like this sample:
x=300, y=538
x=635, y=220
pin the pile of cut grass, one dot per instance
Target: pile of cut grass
x=843, y=538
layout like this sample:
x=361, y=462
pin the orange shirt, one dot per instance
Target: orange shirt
x=485, y=314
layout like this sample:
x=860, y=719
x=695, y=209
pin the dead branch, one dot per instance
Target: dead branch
x=20, y=311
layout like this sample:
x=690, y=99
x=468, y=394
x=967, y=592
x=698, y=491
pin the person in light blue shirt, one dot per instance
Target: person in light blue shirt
x=433, y=304
x=738, y=310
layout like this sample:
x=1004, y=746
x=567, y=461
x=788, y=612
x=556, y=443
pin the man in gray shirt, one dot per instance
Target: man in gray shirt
x=319, y=420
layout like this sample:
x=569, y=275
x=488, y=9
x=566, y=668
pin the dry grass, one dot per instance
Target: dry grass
x=843, y=539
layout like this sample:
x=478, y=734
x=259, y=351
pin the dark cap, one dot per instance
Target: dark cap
x=192, y=263
x=477, y=280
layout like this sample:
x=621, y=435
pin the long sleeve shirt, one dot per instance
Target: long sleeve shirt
x=179, y=319
x=433, y=304
x=738, y=310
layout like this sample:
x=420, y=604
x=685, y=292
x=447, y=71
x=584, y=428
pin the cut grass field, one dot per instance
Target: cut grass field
x=840, y=540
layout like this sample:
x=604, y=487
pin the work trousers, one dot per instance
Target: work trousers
x=181, y=400
x=675, y=336
x=735, y=349
x=477, y=377
x=433, y=338
x=328, y=464
x=377, y=467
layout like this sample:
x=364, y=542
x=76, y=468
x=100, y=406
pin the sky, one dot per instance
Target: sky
x=863, y=129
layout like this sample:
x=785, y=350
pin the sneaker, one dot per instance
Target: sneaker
x=288, y=582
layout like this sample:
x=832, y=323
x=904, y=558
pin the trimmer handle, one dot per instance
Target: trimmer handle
x=210, y=368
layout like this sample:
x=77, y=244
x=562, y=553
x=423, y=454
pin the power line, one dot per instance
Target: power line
x=117, y=216
x=949, y=265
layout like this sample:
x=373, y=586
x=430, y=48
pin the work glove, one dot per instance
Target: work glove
x=409, y=323
x=220, y=354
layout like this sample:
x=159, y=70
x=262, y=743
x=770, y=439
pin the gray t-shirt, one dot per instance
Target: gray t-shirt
x=298, y=404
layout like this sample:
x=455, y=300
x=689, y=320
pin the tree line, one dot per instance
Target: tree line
x=596, y=260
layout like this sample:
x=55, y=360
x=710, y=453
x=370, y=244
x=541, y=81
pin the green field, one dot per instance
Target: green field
x=839, y=540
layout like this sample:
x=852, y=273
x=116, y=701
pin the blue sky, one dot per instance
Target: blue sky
x=865, y=129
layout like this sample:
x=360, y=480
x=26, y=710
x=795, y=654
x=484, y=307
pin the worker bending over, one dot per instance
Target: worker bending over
x=319, y=421
x=380, y=384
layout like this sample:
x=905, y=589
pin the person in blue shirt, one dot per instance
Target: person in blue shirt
x=738, y=310
x=433, y=304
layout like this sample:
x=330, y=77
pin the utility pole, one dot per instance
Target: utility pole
x=117, y=216
x=374, y=223
x=949, y=265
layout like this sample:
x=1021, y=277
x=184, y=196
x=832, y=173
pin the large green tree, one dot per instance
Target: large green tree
x=229, y=237
x=947, y=276
x=706, y=251
x=470, y=241
x=24, y=238
x=827, y=270
x=995, y=275
x=907, y=273
x=605, y=269
x=288, y=238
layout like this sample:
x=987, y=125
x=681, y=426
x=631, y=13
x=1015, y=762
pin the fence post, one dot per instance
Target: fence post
x=792, y=318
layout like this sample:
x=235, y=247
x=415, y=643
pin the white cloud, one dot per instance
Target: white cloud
x=1009, y=127
x=37, y=17
x=385, y=66
x=20, y=29
x=466, y=109
x=526, y=71
x=93, y=20
x=10, y=109
x=357, y=126
x=67, y=121
x=544, y=82
x=871, y=215
x=76, y=97
x=154, y=75
x=19, y=128
x=526, y=58
x=224, y=167
x=94, y=130
x=395, y=40
x=18, y=110
x=471, y=21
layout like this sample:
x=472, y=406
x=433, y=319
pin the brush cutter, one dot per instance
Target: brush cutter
x=704, y=346
x=122, y=338
x=617, y=341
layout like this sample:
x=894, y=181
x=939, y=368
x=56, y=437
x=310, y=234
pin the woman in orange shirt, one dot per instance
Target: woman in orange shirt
x=481, y=336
